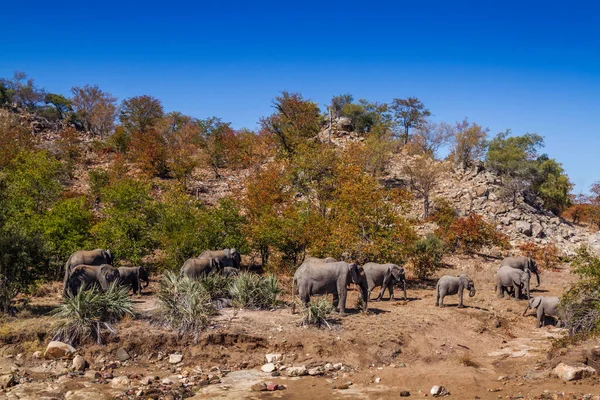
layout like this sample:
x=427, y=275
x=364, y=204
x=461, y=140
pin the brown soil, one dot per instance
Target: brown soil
x=487, y=350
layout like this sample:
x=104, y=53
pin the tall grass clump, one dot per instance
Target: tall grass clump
x=316, y=313
x=90, y=313
x=217, y=285
x=185, y=305
x=249, y=290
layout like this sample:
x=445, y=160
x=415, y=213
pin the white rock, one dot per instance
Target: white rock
x=337, y=366
x=316, y=371
x=377, y=380
x=167, y=381
x=38, y=354
x=438, y=391
x=273, y=357
x=79, y=363
x=120, y=381
x=296, y=371
x=57, y=349
x=175, y=358
x=570, y=373
x=269, y=367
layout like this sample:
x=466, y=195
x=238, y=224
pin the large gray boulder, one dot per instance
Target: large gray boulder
x=570, y=373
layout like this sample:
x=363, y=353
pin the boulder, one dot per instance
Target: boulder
x=594, y=244
x=523, y=227
x=571, y=373
x=269, y=367
x=122, y=354
x=439, y=391
x=175, y=358
x=38, y=354
x=120, y=381
x=273, y=357
x=316, y=371
x=57, y=349
x=79, y=363
x=296, y=371
x=345, y=124
x=537, y=230
x=259, y=387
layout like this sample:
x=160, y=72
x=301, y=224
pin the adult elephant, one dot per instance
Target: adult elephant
x=132, y=277
x=230, y=272
x=322, y=278
x=384, y=275
x=86, y=257
x=322, y=260
x=508, y=277
x=199, y=267
x=544, y=306
x=224, y=258
x=87, y=276
x=522, y=263
x=451, y=285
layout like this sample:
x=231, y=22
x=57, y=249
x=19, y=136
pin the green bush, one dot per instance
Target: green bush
x=217, y=285
x=316, y=313
x=249, y=290
x=90, y=313
x=426, y=256
x=99, y=179
x=184, y=305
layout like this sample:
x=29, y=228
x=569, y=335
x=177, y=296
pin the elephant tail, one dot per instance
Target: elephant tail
x=437, y=294
x=293, y=299
x=66, y=279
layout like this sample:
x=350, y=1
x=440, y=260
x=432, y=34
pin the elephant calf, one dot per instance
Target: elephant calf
x=545, y=306
x=324, y=260
x=323, y=278
x=384, y=275
x=86, y=276
x=200, y=267
x=451, y=285
x=230, y=272
x=132, y=276
x=507, y=277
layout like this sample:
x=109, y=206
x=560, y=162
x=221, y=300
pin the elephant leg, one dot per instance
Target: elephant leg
x=437, y=297
x=343, y=293
x=336, y=301
x=517, y=291
x=460, y=298
x=442, y=294
x=391, y=290
x=381, y=292
x=540, y=317
x=500, y=290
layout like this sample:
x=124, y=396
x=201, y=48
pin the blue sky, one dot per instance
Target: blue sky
x=526, y=66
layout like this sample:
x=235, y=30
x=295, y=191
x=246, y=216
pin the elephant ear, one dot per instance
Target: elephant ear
x=227, y=253
x=396, y=272
x=353, y=268
x=108, y=256
x=535, y=302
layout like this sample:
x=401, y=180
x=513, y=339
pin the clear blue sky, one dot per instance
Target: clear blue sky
x=528, y=66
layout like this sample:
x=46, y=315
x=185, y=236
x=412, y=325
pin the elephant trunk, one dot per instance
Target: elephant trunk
x=472, y=292
x=526, y=308
x=537, y=276
x=404, y=287
x=527, y=288
x=147, y=281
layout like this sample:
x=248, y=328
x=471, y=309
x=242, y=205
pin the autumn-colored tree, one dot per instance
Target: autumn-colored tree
x=423, y=174
x=468, y=143
x=295, y=121
x=594, y=209
x=546, y=257
x=182, y=137
x=149, y=151
x=140, y=113
x=68, y=148
x=338, y=103
x=471, y=233
x=22, y=91
x=14, y=137
x=408, y=113
x=216, y=135
x=95, y=110
x=429, y=137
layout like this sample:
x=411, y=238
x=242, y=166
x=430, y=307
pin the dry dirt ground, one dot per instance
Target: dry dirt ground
x=487, y=350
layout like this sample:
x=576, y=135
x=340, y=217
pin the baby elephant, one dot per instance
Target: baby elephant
x=545, y=306
x=451, y=285
x=132, y=277
x=384, y=275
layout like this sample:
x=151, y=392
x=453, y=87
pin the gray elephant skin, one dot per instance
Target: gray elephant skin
x=86, y=276
x=451, y=285
x=324, y=260
x=224, y=258
x=314, y=278
x=522, y=263
x=86, y=257
x=544, y=306
x=200, y=267
x=132, y=277
x=508, y=277
x=384, y=275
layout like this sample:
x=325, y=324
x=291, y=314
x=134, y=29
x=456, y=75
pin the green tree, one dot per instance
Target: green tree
x=23, y=91
x=295, y=121
x=552, y=184
x=140, y=113
x=514, y=155
x=338, y=103
x=61, y=104
x=408, y=113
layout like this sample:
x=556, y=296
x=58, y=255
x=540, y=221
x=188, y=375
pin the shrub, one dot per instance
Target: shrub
x=249, y=290
x=217, y=285
x=580, y=305
x=547, y=257
x=316, y=313
x=470, y=234
x=427, y=256
x=91, y=312
x=184, y=305
x=99, y=179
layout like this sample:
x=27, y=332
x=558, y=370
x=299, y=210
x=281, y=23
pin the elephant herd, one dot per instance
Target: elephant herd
x=316, y=276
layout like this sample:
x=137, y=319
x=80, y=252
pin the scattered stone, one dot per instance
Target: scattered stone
x=342, y=386
x=439, y=391
x=7, y=381
x=316, y=371
x=275, y=373
x=273, y=357
x=147, y=380
x=259, y=387
x=338, y=366
x=523, y=227
x=175, y=358
x=38, y=354
x=166, y=381
x=377, y=380
x=401, y=365
x=120, y=381
x=404, y=393
x=328, y=367
x=296, y=371
x=270, y=367
x=271, y=387
x=570, y=373
x=122, y=354
x=79, y=363
x=57, y=349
